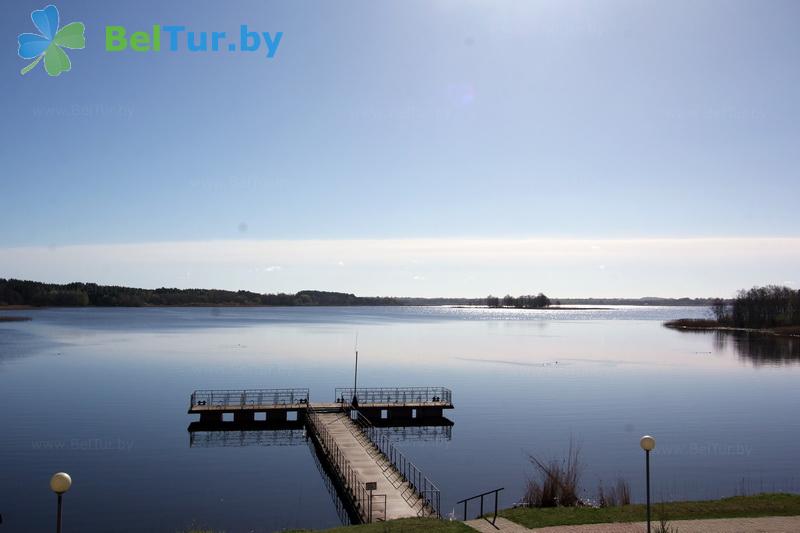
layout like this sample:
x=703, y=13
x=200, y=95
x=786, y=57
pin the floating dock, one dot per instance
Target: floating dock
x=376, y=481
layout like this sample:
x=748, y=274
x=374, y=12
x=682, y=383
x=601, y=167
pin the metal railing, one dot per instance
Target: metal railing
x=240, y=399
x=424, y=488
x=496, y=493
x=396, y=395
x=361, y=499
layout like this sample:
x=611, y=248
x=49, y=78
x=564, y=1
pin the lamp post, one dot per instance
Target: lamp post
x=355, y=383
x=60, y=483
x=355, y=377
x=647, y=443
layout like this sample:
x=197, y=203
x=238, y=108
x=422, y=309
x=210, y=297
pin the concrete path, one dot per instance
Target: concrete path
x=772, y=524
x=501, y=525
x=401, y=499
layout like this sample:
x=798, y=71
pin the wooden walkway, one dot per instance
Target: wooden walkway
x=393, y=497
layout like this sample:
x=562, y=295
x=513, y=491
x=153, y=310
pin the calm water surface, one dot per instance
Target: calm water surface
x=103, y=394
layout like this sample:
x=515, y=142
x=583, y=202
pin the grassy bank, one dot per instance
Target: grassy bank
x=735, y=507
x=700, y=324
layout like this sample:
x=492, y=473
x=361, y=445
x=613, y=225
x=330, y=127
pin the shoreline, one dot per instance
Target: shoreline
x=233, y=305
x=695, y=324
x=550, y=308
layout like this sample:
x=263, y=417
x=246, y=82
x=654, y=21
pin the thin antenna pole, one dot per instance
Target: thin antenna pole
x=355, y=378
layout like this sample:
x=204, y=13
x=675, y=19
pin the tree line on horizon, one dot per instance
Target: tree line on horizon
x=38, y=294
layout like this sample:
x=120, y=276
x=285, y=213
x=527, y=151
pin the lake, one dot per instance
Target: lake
x=103, y=394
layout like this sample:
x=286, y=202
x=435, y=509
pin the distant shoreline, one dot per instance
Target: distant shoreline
x=235, y=305
x=25, y=294
x=414, y=302
x=548, y=308
x=699, y=324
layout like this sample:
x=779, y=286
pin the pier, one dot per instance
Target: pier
x=243, y=406
x=351, y=435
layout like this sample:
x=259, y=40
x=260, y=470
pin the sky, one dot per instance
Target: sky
x=417, y=148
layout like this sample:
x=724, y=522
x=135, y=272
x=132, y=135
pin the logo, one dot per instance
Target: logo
x=50, y=42
x=179, y=37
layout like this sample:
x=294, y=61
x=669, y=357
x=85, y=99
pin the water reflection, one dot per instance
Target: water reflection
x=246, y=437
x=16, y=343
x=347, y=515
x=434, y=433
x=760, y=349
x=294, y=433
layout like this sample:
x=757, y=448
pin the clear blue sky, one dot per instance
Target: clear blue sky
x=436, y=119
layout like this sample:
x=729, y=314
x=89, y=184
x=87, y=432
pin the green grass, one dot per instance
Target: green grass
x=735, y=507
x=405, y=525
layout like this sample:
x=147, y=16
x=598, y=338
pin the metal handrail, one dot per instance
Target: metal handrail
x=251, y=397
x=396, y=395
x=496, y=493
x=360, y=497
x=424, y=488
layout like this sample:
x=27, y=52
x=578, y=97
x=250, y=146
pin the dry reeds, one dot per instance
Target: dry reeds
x=555, y=483
x=614, y=496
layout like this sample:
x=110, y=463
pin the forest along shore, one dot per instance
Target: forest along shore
x=773, y=310
x=25, y=294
